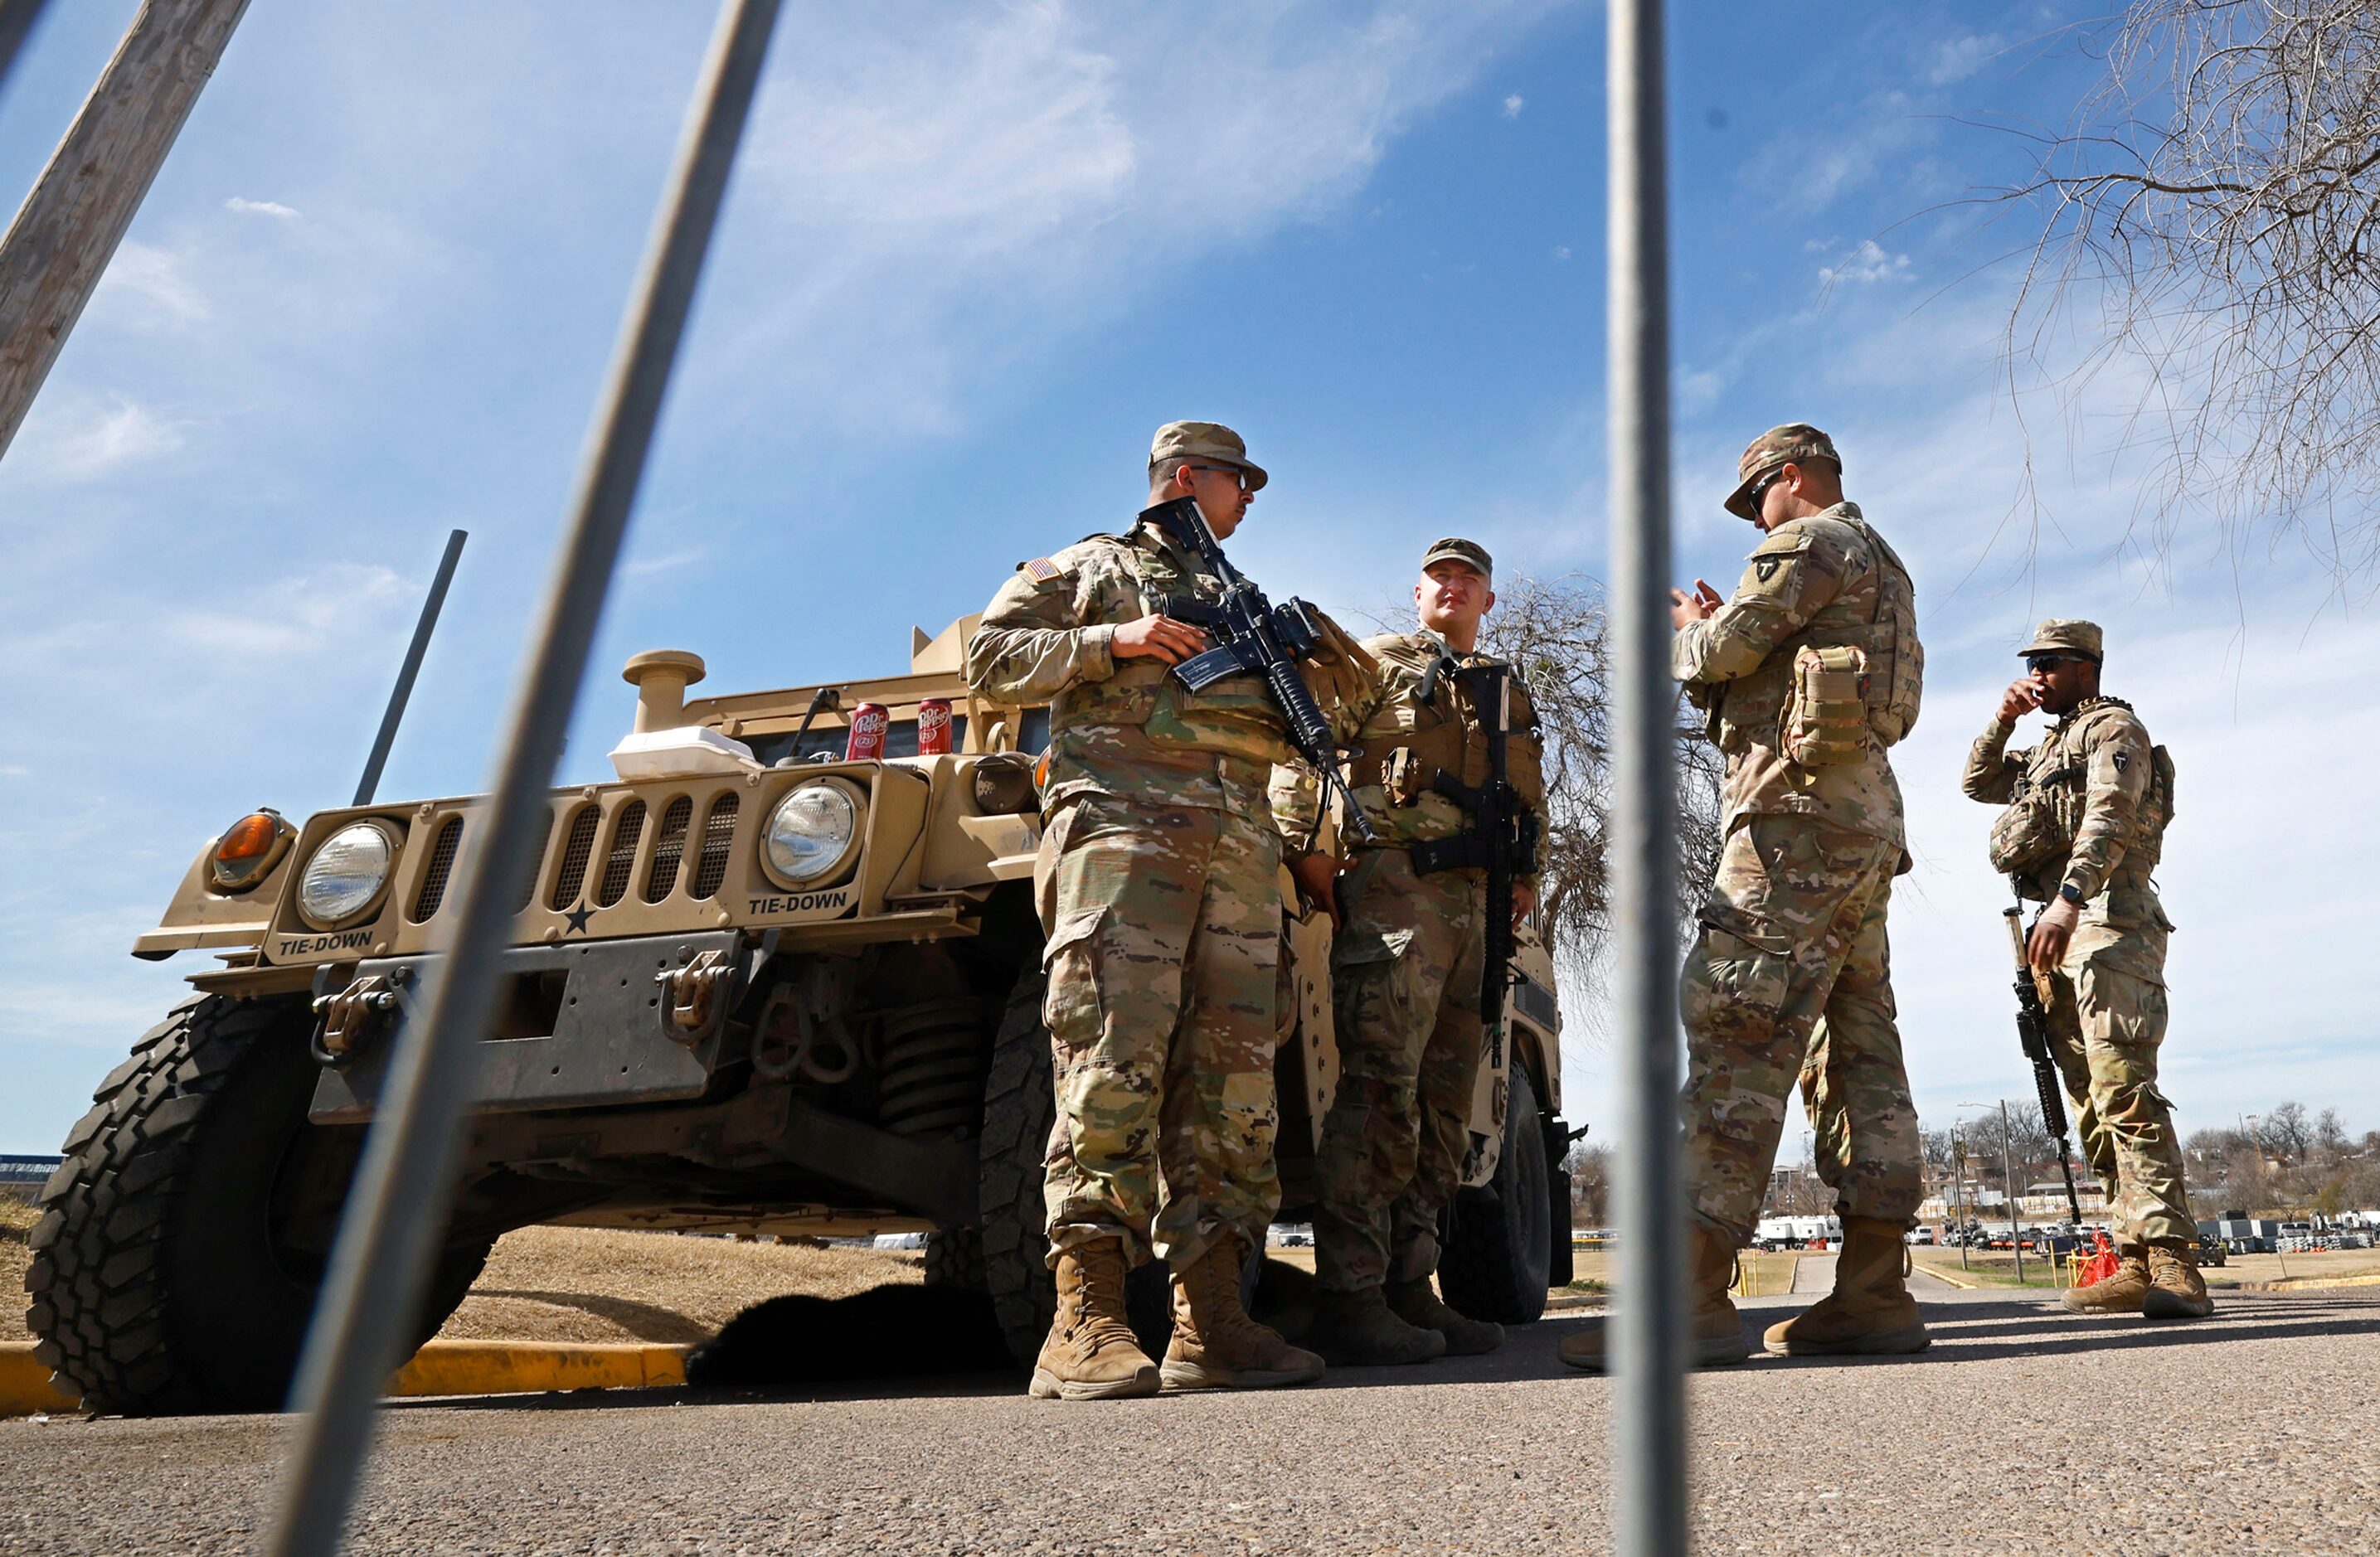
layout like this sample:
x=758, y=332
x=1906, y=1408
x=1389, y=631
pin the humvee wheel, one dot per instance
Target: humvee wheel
x=954, y=1258
x=1499, y=1247
x=1020, y=1105
x=177, y=1262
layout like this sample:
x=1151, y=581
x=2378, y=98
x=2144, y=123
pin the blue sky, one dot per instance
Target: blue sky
x=974, y=254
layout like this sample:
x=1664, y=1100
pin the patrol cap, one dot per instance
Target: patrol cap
x=1454, y=549
x=2066, y=635
x=1210, y=442
x=1792, y=444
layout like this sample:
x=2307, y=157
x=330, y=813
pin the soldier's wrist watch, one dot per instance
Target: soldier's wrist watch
x=2071, y=893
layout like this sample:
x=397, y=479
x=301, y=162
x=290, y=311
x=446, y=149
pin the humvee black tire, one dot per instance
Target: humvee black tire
x=954, y=1258
x=1496, y=1260
x=1020, y=1105
x=165, y=1279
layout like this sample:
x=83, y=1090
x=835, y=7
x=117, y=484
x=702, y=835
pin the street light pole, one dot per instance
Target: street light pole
x=2008, y=1177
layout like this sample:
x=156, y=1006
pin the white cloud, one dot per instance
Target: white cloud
x=1562, y=251
x=1955, y=59
x=1513, y=105
x=293, y=617
x=80, y=438
x=1868, y=264
x=146, y=287
x=273, y=208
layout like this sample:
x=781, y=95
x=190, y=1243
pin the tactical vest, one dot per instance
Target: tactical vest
x=2032, y=838
x=1793, y=701
x=1439, y=741
x=1234, y=717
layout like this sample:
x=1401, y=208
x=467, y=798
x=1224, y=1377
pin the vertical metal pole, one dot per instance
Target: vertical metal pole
x=1648, y=1438
x=388, y=1237
x=16, y=19
x=402, y=692
x=2007, y=1176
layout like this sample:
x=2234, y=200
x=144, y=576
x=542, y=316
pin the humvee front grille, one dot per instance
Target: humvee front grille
x=529, y=884
x=442, y=850
x=718, y=836
x=669, y=849
x=576, y=853
x=622, y=861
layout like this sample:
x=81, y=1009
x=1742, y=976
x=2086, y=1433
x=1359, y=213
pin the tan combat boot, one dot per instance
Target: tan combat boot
x=1717, y=1334
x=1216, y=1344
x=2117, y=1294
x=1091, y=1353
x=1359, y=1330
x=2176, y=1289
x=1417, y=1303
x=1869, y=1312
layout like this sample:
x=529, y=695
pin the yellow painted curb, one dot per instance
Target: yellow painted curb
x=522, y=1367
x=439, y=1368
x=2302, y=1284
x=1949, y=1280
x=25, y=1386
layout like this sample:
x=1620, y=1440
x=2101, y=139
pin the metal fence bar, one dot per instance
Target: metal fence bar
x=1649, y=1441
x=402, y=692
x=388, y=1238
x=16, y=19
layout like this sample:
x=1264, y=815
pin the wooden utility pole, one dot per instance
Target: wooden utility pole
x=69, y=227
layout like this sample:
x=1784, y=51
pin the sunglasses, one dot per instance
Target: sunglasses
x=1235, y=474
x=1759, y=494
x=2051, y=661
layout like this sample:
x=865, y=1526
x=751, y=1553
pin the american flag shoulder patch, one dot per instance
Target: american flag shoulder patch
x=1041, y=570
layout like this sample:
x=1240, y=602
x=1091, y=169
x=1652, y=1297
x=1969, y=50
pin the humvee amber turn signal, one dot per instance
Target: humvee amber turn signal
x=248, y=850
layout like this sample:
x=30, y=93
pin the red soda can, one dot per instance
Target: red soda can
x=867, y=743
x=933, y=727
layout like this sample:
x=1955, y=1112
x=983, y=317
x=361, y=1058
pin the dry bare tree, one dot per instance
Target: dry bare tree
x=2211, y=221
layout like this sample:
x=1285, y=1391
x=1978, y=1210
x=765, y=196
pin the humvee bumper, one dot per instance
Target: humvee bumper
x=577, y=1026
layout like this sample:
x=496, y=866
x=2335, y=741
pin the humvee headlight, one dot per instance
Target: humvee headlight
x=247, y=850
x=346, y=874
x=812, y=833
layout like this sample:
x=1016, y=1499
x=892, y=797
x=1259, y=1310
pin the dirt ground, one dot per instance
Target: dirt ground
x=16, y=1221
x=595, y=1283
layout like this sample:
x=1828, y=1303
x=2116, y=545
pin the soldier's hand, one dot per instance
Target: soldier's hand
x=2046, y=947
x=1696, y=606
x=1524, y=902
x=1317, y=877
x=1158, y=637
x=2021, y=698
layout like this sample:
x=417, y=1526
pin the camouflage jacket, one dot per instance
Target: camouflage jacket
x=1825, y=581
x=2093, y=783
x=1124, y=727
x=1441, y=732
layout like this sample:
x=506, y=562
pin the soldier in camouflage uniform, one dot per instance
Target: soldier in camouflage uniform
x=1806, y=677
x=1406, y=972
x=1159, y=894
x=2083, y=832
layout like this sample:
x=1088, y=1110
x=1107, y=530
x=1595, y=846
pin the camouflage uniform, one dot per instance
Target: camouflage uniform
x=2094, y=801
x=1158, y=891
x=1790, y=976
x=1406, y=968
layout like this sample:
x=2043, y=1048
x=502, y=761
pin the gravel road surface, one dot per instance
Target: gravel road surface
x=2022, y=1429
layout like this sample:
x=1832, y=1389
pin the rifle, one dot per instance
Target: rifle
x=2033, y=1034
x=1254, y=635
x=1503, y=834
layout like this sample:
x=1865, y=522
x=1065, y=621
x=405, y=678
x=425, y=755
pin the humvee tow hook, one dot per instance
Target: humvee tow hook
x=349, y=1016
x=690, y=1003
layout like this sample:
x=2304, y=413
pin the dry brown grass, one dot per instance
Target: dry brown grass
x=596, y=1283
x=16, y=1219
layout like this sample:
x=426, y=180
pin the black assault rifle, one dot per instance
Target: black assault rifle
x=2033, y=1034
x=1251, y=635
x=1502, y=839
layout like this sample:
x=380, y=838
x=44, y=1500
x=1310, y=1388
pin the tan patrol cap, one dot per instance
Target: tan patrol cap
x=2066, y=635
x=1454, y=549
x=1208, y=441
x=1792, y=444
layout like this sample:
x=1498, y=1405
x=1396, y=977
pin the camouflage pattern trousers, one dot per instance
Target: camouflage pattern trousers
x=1164, y=928
x=1405, y=976
x=1791, y=980
x=2107, y=1012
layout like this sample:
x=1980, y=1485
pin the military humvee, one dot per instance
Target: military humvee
x=754, y=987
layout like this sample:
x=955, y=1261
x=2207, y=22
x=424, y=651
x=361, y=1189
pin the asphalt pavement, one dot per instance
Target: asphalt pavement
x=2022, y=1430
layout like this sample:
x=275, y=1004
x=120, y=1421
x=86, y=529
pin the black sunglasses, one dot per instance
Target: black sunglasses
x=1234, y=473
x=1759, y=494
x=2052, y=661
